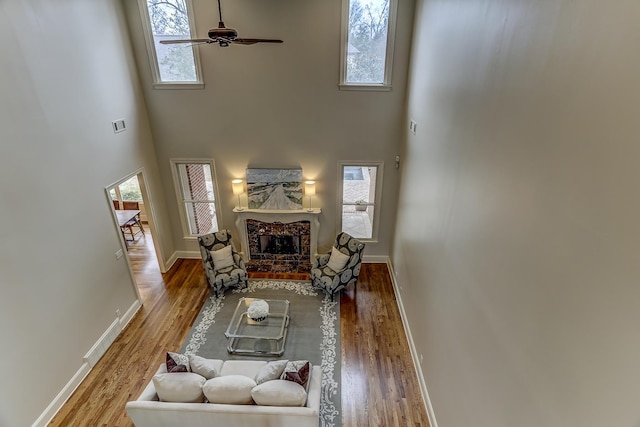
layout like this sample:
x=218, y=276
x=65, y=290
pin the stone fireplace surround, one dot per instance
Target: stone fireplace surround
x=254, y=223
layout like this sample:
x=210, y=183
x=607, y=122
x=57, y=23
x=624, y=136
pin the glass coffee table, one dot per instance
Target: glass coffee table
x=263, y=338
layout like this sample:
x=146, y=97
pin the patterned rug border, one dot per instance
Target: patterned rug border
x=330, y=386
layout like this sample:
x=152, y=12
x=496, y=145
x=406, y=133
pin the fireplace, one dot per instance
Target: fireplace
x=279, y=245
x=278, y=241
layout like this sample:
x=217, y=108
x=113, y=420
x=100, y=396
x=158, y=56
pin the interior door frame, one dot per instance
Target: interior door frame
x=151, y=221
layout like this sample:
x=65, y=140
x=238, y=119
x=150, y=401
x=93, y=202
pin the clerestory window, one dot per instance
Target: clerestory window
x=368, y=31
x=173, y=66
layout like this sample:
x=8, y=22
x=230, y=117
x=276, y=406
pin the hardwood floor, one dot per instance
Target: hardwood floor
x=379, y=384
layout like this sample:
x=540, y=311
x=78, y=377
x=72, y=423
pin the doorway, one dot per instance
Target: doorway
x=140, y=241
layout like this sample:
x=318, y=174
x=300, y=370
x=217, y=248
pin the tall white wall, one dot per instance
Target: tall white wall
x=66, y=72
x=278, y=106
x=517, y=238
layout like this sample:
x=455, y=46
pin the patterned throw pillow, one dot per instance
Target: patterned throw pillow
x=177, y=362
x=298, y=372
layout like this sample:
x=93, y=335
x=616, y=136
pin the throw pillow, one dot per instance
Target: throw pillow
x=338, y=260
x=183, y=387
x=271, y=371
x=208, y=368
x=229, y=389
x=177, y=362
x=298, y=372
x=222, y=258
x=279, y=393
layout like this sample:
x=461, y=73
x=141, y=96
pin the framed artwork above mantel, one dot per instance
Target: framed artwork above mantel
x=274, y=189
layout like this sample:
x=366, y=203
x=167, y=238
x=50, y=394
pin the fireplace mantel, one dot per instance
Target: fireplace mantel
x=277, y=216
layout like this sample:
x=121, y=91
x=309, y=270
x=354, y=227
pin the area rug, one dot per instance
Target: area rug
x=314, y=333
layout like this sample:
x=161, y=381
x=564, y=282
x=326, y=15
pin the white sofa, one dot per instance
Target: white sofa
x=148, y=411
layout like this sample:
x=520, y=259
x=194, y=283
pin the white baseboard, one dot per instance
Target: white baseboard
x=89, y=361
x=182, y=254
x=172, y=260
x=375, y=259
x=367, y=259
x=100, y=347
x=412, y=347
x=53, y=408
x=128, y=315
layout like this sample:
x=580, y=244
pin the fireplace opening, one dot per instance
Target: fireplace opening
x=279, y=245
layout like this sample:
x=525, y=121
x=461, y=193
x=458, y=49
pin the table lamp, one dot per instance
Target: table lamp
x=238, y=189
x=310, y=190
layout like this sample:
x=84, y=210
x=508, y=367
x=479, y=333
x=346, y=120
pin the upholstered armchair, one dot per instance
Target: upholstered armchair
x=223, y=266
x=334, y=271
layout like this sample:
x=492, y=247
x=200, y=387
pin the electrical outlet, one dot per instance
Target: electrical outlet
x=413, y=126
x=118, y=313
x=119, y=254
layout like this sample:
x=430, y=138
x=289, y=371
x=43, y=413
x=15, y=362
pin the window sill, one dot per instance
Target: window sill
x=365, y=87
x=188, y=86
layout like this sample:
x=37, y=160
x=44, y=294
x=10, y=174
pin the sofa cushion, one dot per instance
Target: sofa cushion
x=229, y=389
x=279, y=393
x=182, y=387
x=222, y=258
x=248, y=368
x=298, y=372
x=208, y=368
x=271, y=371
x=177, y=362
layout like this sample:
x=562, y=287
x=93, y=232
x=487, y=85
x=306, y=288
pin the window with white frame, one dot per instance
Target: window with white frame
x=196, y=189
x=360, y=189
x=368, y=31
x=172, y=64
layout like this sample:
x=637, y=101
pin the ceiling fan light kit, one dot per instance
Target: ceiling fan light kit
x=222, y=35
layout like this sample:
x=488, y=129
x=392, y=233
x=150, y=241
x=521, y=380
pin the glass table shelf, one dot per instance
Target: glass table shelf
x=258, y=338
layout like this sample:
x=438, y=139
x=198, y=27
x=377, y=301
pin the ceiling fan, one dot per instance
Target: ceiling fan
x=222, y=35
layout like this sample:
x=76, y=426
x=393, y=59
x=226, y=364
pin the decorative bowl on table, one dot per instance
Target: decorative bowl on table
x=258, y=310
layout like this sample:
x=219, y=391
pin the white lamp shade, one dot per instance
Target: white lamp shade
x=309, y=188
x=238, y=187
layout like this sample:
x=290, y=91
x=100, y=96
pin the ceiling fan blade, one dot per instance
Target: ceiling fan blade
x=193, y=41
x=254, y=41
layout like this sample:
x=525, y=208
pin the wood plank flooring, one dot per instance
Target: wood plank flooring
x=379, y=384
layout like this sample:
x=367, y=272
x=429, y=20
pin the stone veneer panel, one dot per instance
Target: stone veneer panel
x=256, y=228
x=252, y=223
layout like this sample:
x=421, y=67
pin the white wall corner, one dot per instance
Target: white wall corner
x=45, y=418
x=412, y=347
x=182, y=255
x=128, y=315
x=172, y=260
x=89, y=361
